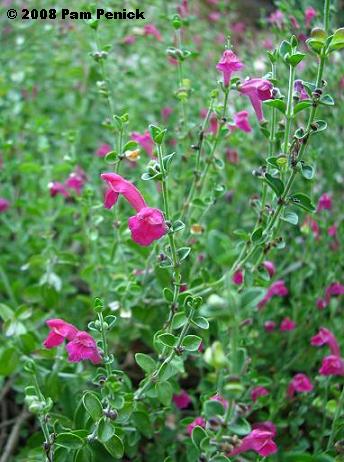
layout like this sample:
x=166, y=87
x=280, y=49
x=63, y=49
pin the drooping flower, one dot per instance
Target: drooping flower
x=332, y=365
x=75, y=181
x=183, y=9
x=241, y=121
x=277, y=289
x=259, y=441
x=324, y=203
x=300, y=90
x=182, y=400
x=4, y=204
x=300, y=383
x=83, y=346
x=129, y=40
x=270, y=267
x=267, y=425
x=268, y=44
x=333, y=290
x=228, y=64
x=276, y=18
x=59, y=331
x=332, y=231
x=287, y=324
x=257, y=90
x=326, y=337
x=258, y=391
x=294, y=22
x=166, y=112
x=238, y=277
x=220, y=399
x=310, y=13
x=148, y=224
x=150, y=29
x=311, y=225
x=103, y=150
x=321, y=304
x=55, y=188
x=198, y=422
x=269, y=326
x=145, y=141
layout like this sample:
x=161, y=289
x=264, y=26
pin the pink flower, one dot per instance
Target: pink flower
x=150, y=29
x=228, y=64
x=332, y=231
x=241, y=121
x=276, y=18
x=332, y=365
x=148, y=224
x=277, y=289
x=268, y=44
x=321, y=304
x=198, y=422
x=183, y=9
x=166, y=112
x=103, y=150
x=287, y=324
x=326, y=337
x=182, y=400
x=59, y=331
x=257, y=392
x=4, y=204
x=310, y=13
x=333, y=290
x=324, y=203
x=311, y=224
x=129, y=39
x=341, y=83
x=269, y=326
x=267, y=426
x=145, y=141
x=83, y=346
x=294, y=22
x=214, y=16
x=220, y=399
x=259, y=441
x=232, y=156
x=270, y=267
x=55, y=188
x=75, y=181
x=238, y=27
x=300, y=90
x=257, y=90
x=300, y=384
x=238, y=277
x=213, y=124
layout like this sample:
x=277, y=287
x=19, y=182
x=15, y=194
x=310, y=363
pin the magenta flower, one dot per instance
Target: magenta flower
x=326, y=337
x=183, y=9
x=213, y=123
x=214, y=16
x=267, y=426
x=270, y=267
x=182, y=400
x=310, y=224
x=269, y=326
x=300, y=90
x=277, y=289
x=276, y=18
x=310, y=14
x=75, y=181
x=332, y=365
x=83, y=346
x=259, y=441
x=241, y=121
x=166, y=112
x=268, y=44
x=150, y=29
x=321, y=304
x=148, y=224
x=287, y=324
x=103, y=150
x=232, y=156
x=257, y=90
x=324, y=203
x=258, y=391
x=333, y=290
x=4, y=204
x=300, y=384
x=59, y=331
x=55, y=188
x=198, y=422
x=332, y=231
x=228, y=64
x=238, y=27
x=238, y=277
x=220, y=399
x=129, y=40
x=145, y=141
x=294, y=22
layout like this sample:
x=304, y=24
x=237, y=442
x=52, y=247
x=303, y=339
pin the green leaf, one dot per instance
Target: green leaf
x=337, y=42
x=257, y=236
x=275, y=184
x=165, y=392
x=111, y=157
x=290, y=217
x=213, y=408
x=179, y=319
x=201, y=322
x=157, y=133
x=219, y=459
x=295, y=58
x=183, y=252
x=168, y=340
x=303, y=201
x=9, y=361
x=83, y=455
x=93, y=406
x=167, y=160
x=105, y=430
x=69, y=441
x=307, y=171
x=115, y=447
x=178, y=225
x=198, y=434
x=318, y=126
x=241, y=427
x=145, y=362
x=284, y=49
x=251, y=297
x=277, y=103
x=130, y=145
x=142, y=423
x=191, y=342
x=327, y=100
x=301, y=105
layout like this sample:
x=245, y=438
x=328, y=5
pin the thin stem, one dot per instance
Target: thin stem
x=105, y=345
x=335, y=419
x=289, y=110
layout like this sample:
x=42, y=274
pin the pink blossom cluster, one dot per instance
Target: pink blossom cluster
x=75, y=182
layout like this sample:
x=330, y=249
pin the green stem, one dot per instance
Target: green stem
x=339, y=409
x=289, y=111
x=105, y=345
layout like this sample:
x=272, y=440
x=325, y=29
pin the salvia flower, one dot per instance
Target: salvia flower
x=258, y=392
x=198, y=422
x=83, y=346
x=300, y=90
x=166, y=112
x=294, y=22
x=259, y=441
x=267, y=425
x=270, y=267
x=56, y=188
x=241, y=121
x=333, y=290
x=300, y=384
x=321, y=304
x=332, y=231
x=277, y=289
x=269, y=326
x=145, y=141
x=287, y=324
x=150, y=29
x=310, y=14
x=324, y=203
x=326, y=337
x=228, y=64
x=232, y=156
x=4, y=204
x=257, y=90
x=182, y=400
x=103, y=150
x=332, y=365
x=59, y=331
x=75, y=181
x=238, y=277
x=220, y=399
x=148, y=224
x=276, y=18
